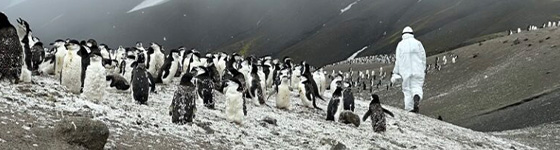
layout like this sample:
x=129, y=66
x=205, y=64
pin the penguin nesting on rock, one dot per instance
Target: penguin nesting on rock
x=205, y=84
x=235, y=102
x=11, y=51
x=183, y=106
x=94, y=86
x=377, y=114
x=141, y=83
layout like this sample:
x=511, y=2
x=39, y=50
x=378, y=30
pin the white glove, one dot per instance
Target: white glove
x=395, y=77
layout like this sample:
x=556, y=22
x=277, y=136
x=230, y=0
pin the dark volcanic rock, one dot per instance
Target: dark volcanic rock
x=270, y=120
x=91, y=134
x=339, y=146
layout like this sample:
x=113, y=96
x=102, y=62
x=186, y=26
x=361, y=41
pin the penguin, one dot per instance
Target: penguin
x=125, y=67
x=348, y=97
x=205, y=85
x=94, y=86
x=183, y=105
x=284, y=92
x=306, y=93
x=84, y=52
x=296, y=73
x=156, y=59
x=255, y=87
x=11, y=51
x=60, y=53
x=141, y=83
x=48, y=64
x=319, y=77
x=221, y=63
x=38, y=55
x=307, y=73
x=26, y=39
x=235, y=102
x=118, y=81
x=377, y=114
x=70, y=76
x=170, y=67
x=335, y=107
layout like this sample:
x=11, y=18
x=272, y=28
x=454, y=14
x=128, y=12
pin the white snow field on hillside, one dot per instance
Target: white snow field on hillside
x=299, y=128
x=146, y=4
x=357, y=53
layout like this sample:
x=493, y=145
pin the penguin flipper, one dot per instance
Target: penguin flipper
x=152, y=82
x=368, y=113
x=388, y=112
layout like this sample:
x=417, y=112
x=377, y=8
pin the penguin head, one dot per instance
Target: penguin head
x=234, y=83
x=141, y=57
x=155, y=46
x=73, y=45
x=91, y=43
x=95, y=56
x=103, y=47
x=174, y=53
x=139, y=45
x=186, y=80
x=374, y=99
x=58, y=43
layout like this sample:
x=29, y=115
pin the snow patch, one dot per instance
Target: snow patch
x=348, y=7
x=147, y=4
x=356, y=53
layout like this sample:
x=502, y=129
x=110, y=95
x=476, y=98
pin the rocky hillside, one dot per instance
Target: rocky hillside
x=30, y=112
x=303, y=29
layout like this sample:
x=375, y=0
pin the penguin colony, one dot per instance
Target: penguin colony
x=81, y=67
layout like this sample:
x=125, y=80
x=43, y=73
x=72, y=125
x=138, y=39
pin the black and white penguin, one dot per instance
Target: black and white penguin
x=307, y=97
x=156, y=59
x=125, y=67
x=11, y=51
x=27, y=42
x=335, y=107
x=38, y=55
x=94, y=84
x=141, y=83
x=283, y=97
x=60, y=52
x=183, y=106
x=48, y=64
x=235, y=102
x=170, y=67
x=307, y=73
x=205, y=85
x=71, y=74
x=84, y=52
x=255, y=87
x=348, y=97
x=377, y=114
x=321, y=79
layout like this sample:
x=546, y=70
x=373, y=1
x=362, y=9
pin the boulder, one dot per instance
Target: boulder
x=91, y=134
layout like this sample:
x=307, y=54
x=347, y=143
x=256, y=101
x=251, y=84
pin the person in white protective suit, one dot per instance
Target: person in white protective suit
x=410, y=66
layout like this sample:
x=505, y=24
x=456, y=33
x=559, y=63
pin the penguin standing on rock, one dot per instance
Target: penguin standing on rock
x=377, y=114
x=11, y=51
x=94, y=86
x=183, y=106
x=141, y=83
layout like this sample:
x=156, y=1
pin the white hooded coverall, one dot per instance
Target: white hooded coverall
x=410, y=66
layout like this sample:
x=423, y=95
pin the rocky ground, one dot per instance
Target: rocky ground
x=29, y=114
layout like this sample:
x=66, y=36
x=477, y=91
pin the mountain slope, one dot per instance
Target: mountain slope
x=297, y=28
